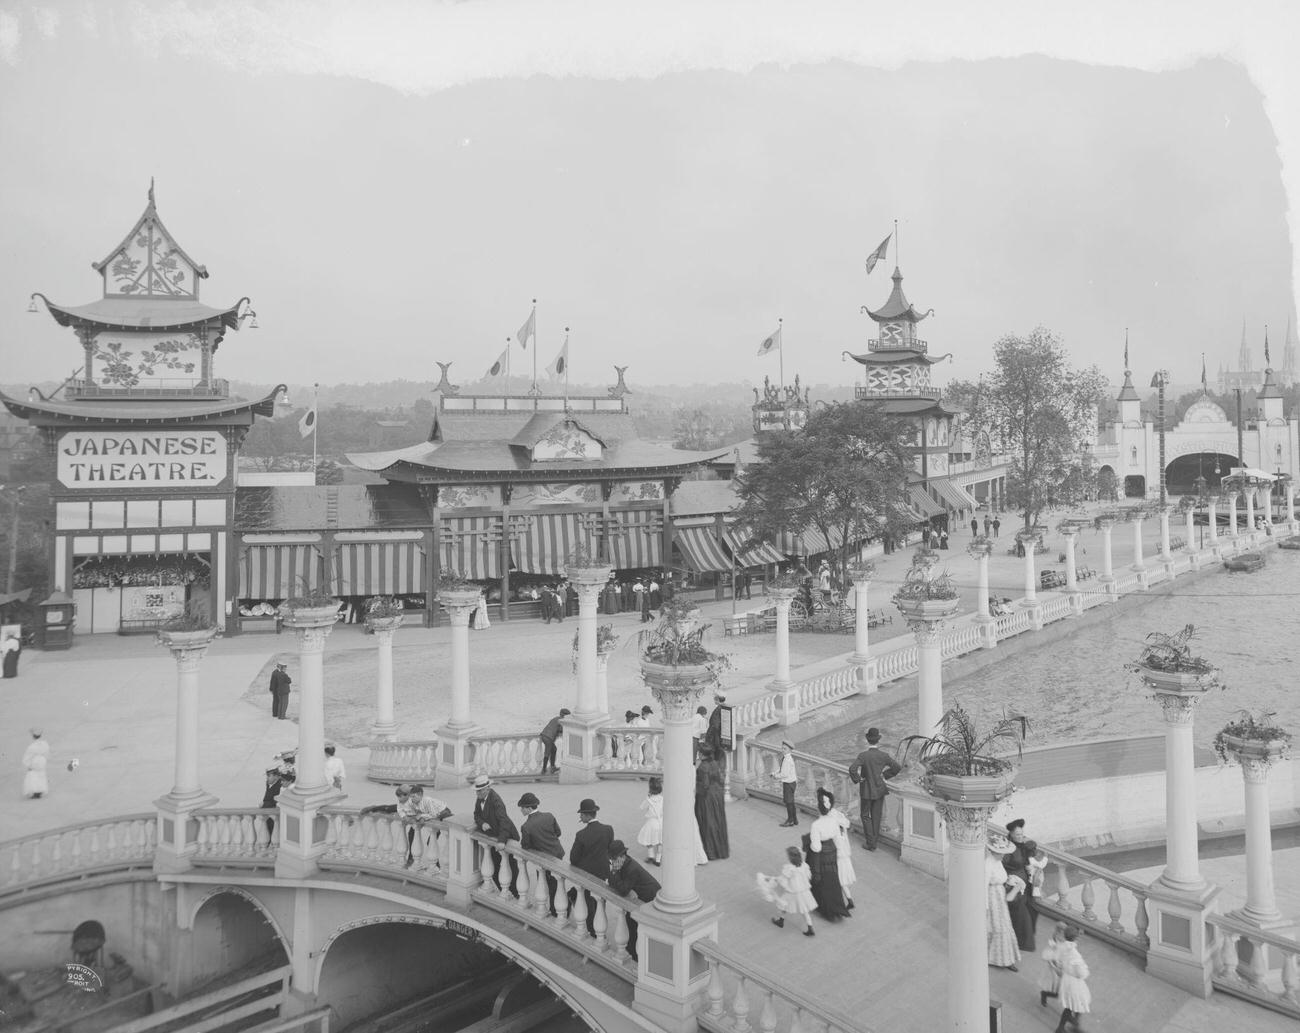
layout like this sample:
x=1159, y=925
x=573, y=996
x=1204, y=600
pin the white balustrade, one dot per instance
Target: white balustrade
x=1070, y=890
x=630, y=748
x=411, y=761
x=504, y=755
x=232, y=836
x=1242, y=968
x=124, y=842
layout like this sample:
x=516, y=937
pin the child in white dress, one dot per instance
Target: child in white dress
x=1076, y=998
x=795, y=891
x=1050, y=982
x=651, y=835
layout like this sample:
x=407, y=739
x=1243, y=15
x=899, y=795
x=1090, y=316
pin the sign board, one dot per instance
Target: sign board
x=728, y=734
x=142, y=459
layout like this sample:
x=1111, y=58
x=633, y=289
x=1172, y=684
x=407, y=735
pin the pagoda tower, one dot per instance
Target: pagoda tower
x=144, y=439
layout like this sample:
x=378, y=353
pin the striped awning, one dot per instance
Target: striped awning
x=757, y=554
x=701, y=547
x=544, y=540
x=957, y=497
x=922, y=502
x=635, y=539
x=379, y=568
x=279, y=571
x=471, y=546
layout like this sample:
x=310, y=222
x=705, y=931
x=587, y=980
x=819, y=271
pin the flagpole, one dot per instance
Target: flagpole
x=566, y=369
x=315, y=424
x=509, y=341
x=780, y=352
x=898, y=252
x=535, y=346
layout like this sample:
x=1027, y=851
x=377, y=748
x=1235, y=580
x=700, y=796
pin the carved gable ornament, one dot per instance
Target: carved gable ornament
x=567, y=441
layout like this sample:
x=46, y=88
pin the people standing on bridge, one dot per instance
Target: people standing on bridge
x=789, y=778
x=490, y=816
x=590, y=854
x=419, y=812
x=711, y=807
x=1003, y=950
x=651, y=834
x=280, y=682
x=335, y=772
x=1024, y=911
x=628, y=879
x=541, y=832
x=869, y=773
x=1076, y=998
x=549, y=735
x=35, y=782
x=823, y=859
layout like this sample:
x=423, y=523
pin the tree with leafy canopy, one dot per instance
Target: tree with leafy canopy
x=1039, y=408
x=845, y=475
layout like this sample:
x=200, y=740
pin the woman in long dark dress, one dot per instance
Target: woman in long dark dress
x=710, y=806
x=822, y=853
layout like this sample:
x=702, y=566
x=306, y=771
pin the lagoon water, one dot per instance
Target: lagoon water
x=1074, y=686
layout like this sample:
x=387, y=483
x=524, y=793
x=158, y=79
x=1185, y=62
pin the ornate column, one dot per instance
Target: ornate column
x=384, y=628
x=176, y=824
x=579, y=760
x=1106, y=524
x=454, y=748
x=301, y=828
x=1029, y=542
x=861, y=575
x=677, y=918
x=1212, y=525
x=1164, y=534
x=926, y=620
x=1189, y=529
x=1230, y=499
x=1290, y=507
x=1137, y=519
x=980, y=549
x=1071, y=533
x=787, y=700
x=1249, y=492
x=1256, y=756
x=968, y=950
x=602, y=679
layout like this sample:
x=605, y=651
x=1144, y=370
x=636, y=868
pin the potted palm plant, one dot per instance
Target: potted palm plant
x=923, y=596
x=1167, y=664
x=311, y=606
x=193, y=626
x=673, y=653
x=979, y=546
x=384, y=613
x=606, y=640
x=1252, y=736
x=961, y=765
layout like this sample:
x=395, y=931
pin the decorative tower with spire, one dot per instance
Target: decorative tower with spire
x=1243, y=353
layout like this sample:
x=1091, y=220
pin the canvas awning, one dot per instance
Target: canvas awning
x=922, y=502
x=957, y=497
x=635, y=539
x=379, y=568
x=701, y=547
x=279, y=571
x=471, y=546
x=756, y=555
x=544, y=541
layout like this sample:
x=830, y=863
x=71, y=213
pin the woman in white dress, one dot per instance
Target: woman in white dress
x=35, y=757
x=844, y=854
x=1004, y=952
x=478, y=620
x=1076, y=998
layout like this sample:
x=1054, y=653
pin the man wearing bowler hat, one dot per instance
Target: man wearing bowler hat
x=541, y=832
x=868, y=773
x=590, y=854
x=490, y=816
x=628, y=879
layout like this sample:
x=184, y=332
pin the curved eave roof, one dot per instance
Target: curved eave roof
x=143, y=313
x=893, y=357
x=157, y=412
x=460, y=459
x=897, y=305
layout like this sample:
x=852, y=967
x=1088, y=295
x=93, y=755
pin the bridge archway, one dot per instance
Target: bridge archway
x=228, y=930
x=1181, y=473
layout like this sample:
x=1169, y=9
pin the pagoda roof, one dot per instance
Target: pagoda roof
x=543, y=422
x=1128, y=393
x=911, y=406
x=897, y=305
x=145, y=312
x=526, y=427
x=894, y=357
x=50, y=411
x=478, y=460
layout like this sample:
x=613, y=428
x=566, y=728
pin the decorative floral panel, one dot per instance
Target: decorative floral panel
x=150, y=263
x=637, y=491
x=554, y=495
x=566, y=441
x=147, y=360
x=898, y=378
x=468, y=496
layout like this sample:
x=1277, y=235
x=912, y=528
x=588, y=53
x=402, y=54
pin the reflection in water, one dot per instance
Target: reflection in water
x=1075, y=686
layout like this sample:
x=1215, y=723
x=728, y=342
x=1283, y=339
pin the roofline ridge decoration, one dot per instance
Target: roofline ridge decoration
x=151, y=211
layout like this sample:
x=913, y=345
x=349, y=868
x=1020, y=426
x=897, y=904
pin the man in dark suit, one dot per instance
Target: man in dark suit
x=280, y=682
x=590, y=854
x=869, y=772
x=541, y=832
x=713, y=737
x=628, y=879
x=549, y=735
x=490, y=816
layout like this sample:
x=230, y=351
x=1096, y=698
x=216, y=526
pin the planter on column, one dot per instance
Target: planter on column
x=926, y=605
x=1180, y=898
x=787, y=700
x=383, y=624
x=301, y=826
x=1105, y=523
x=668, y=984
x=177, y=827
x=579, y=760
x=980, y=549
x=455, y=764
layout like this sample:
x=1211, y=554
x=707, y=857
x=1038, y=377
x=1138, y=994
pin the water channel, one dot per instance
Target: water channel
x=1073, y=686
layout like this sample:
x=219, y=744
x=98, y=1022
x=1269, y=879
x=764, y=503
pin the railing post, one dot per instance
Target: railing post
x=177, y=827
x=455, y=765
x=463, y=875
x=923, y=839
x=787, y=700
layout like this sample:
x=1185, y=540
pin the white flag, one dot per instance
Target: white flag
x=529, y=329
x=770, y=344
x=308, y=422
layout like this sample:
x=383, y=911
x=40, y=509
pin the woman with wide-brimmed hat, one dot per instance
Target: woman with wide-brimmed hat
x=1004, y=952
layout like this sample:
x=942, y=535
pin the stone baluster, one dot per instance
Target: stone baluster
x=454, y=765
x=968, y=952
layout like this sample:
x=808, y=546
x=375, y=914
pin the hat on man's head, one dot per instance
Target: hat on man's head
x=646, y=709
x=718, y=697
x=617, y=848
x=37, y=732
x=873, y=735
x=281, y=663
x=1019, y=823
x=565, y=711
x=482, y=782
x=588, y=806
x=529, y=800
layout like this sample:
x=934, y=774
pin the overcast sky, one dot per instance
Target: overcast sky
x=392, y=183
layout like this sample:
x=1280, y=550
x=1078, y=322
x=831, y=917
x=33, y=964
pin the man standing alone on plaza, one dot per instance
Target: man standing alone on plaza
x=280, y=682
x=869, y=773
x=789, y=780
x=549, y=735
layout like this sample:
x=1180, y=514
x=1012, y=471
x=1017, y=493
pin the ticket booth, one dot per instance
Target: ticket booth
x=58, y=614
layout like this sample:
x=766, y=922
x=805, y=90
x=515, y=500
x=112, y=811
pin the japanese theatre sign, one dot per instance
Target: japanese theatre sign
x=142, y=459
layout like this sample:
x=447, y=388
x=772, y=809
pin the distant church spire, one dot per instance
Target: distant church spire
x=1243, y=355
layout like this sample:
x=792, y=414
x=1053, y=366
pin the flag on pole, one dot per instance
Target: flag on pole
x=1267, y=361
x=1125, y=349
x=879, y=255
x=558, y=368
x=499, y=367
x=529, y=329
x=770, y=344
x=308, y=422
x=1205, y=386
